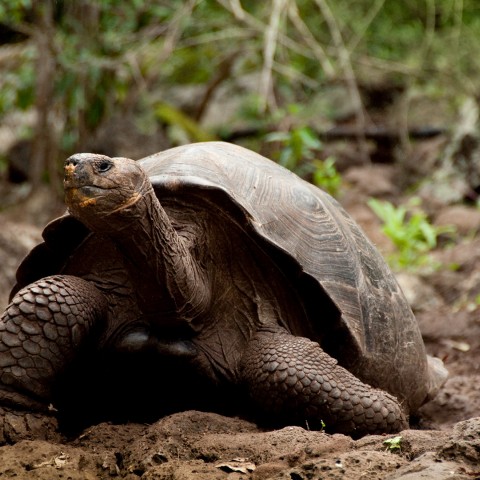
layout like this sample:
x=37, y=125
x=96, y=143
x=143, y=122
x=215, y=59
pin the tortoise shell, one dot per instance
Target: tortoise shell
x=356, y=309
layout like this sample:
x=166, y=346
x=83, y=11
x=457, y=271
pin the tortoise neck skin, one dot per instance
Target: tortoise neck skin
x=114, y=197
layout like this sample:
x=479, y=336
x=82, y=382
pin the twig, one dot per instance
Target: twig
x=260, y=27
x=174, y=30
x=310, y=40
x=349, y=75
x=222, y=73
x=237, y=10
x=45, y=144
x=171, y=36
x=378, y=134
x=234, y=34
x=295, y=75
x=458, y=22
x=429, y=27
x=372, y=13
x=387, y=65
x=269, y=48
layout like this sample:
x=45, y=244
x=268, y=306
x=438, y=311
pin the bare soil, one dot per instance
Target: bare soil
x=443, y=442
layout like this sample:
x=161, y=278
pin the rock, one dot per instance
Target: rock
x=464, y=443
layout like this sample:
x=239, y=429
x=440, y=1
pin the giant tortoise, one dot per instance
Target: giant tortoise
x=258, y=281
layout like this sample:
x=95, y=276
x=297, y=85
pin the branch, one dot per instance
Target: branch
x=222, y=73
x=377, y=134
x=260, y=28
x=45, y=146
x=349, y=75
x=310, y=40
x=269, y=48
x=372, y=13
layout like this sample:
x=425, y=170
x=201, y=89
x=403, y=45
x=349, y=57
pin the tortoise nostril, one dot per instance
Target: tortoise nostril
x=73, y=161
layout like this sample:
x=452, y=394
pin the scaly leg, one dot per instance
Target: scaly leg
x=41, y=332
x=294, y=379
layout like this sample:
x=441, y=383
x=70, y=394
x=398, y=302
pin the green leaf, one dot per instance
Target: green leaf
x=410, y=232
x=393, y=444
x=277, y=137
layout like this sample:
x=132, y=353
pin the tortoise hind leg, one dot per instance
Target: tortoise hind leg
x=293, y=378
x=41, y=332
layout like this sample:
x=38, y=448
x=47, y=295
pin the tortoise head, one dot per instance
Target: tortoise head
x=97, y=186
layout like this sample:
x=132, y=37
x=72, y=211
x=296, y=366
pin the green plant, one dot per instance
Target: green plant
x=176, y=119
x=393, y=444
x=326, y=175
x=298, y=149
x=79, y=64
x=409, y=229
x=297, y=146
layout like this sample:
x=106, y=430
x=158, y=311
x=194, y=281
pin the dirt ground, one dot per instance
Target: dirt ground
x=443, y=443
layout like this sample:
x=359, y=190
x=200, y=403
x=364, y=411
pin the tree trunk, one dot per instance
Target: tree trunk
x=44, y=143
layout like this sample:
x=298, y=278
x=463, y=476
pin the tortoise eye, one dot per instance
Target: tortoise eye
x=104, y=167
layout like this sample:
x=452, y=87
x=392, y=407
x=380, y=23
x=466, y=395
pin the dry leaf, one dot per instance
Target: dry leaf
x=240, y=465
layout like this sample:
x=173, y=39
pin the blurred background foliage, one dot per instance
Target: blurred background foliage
x=278, y=76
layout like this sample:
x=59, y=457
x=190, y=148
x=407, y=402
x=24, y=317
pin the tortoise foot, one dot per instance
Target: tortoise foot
x=293, y=379
x=17, y=425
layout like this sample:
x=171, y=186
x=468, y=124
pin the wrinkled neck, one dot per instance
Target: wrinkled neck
x=167, y=280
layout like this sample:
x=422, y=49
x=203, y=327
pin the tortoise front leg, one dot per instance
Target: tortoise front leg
x=41, y=332
x=293, y=378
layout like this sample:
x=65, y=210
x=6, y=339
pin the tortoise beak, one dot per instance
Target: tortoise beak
x=80, y=179
x=69, y=175
x=75, y=171
x=82, y=169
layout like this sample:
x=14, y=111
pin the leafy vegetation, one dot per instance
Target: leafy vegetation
x=393, y=444
x=326, y=175
x=410, y=231
x=78, y=64
x=297, y=147
x=298, y=152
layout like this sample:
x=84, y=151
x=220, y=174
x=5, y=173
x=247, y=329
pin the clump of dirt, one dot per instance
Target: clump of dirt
x=205, y=446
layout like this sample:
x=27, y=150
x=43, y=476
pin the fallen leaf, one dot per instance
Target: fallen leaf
x=240, y=465
x=58, y=462
x=456, y=345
